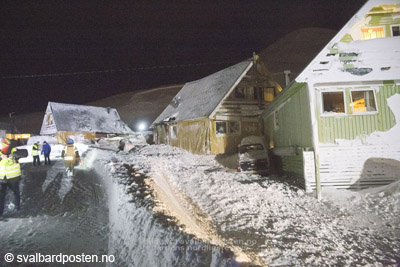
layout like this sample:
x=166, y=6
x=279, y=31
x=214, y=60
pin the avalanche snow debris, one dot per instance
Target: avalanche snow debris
x=285, y=224
x=302, y=229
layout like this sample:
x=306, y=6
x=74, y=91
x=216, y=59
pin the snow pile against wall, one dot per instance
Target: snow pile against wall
x=138, y=236
x=392, y=136
x=281, y=224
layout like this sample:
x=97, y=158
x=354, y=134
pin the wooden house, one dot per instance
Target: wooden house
x=82, y=122
x=213, y=114
x=337, y=123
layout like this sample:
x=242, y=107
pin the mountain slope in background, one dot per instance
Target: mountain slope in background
x=292, y=52
x=295, y=51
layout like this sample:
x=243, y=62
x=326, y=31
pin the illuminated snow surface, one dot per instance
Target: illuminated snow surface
x=260, y=219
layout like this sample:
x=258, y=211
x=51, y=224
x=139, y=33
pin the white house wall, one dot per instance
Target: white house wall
x=48, y=125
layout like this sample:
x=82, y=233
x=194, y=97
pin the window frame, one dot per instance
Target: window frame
x=228, y=128
x=371, y=27
x=174, y=134
x=366, y=112
x=391, y=29
x=323, y=114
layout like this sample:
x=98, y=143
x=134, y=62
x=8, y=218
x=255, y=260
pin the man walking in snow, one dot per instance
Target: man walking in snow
x=35, y=154
x=70, y=154
x=46, y=149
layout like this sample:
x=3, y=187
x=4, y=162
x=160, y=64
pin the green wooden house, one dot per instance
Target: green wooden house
x=338, y=123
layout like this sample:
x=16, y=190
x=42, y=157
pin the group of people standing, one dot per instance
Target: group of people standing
x=10, y=169
x=46, y=149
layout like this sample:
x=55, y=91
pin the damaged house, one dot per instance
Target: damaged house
x=213, y=114
x=81, y=122
x=338, y=123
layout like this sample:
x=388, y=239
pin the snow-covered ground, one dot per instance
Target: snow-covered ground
x=169, y=207
x=274, y=223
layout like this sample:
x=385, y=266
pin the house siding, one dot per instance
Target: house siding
x=351, y=126
x=191, y=135
x=358, y=167
x=229, y=143
x=292, y=110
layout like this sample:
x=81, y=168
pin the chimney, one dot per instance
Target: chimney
x=287, y=76
x=108, y=110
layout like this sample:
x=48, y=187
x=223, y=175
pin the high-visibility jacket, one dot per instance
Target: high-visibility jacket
x=70, y=153
x=9, y=169
x=35, y=150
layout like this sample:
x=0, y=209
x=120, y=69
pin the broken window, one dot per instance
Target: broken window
x=220, y=127
x=333, y=102
x=174, y=131
x=239, y=92
x=362, y=101
x=396, y=30
x=227, y=127
x=249, y=93
x=234, y=127
x=372, y=33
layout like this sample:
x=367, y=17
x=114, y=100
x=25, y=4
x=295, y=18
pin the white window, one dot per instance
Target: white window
x=333, y=103
x=227, y=127
x=363, y=101
x=174, y=131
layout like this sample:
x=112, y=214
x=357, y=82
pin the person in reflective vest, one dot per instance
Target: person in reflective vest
x=35, y=154
x=70, y=155
x=10, y=175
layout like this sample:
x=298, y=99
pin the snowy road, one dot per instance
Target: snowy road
x=167, y=207
x=58, y=214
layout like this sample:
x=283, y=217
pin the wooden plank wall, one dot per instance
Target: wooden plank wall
x=358, y=167
x=351, y=126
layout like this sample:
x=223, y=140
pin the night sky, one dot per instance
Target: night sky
x=76, y=52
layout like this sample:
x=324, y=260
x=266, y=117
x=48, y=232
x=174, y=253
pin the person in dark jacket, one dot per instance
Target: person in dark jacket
x=46, y=149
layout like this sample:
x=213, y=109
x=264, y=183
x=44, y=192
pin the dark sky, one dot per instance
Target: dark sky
x=75, y=52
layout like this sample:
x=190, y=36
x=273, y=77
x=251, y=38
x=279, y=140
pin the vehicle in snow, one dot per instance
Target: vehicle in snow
x=253, y=156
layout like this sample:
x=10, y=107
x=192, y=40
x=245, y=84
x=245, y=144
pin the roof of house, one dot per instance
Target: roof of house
x=371, y=60
x=198, y=99
x=79, y=118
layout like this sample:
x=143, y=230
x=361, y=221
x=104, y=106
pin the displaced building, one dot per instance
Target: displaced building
x=338, y=123
x=213, y=114
x=79, y=121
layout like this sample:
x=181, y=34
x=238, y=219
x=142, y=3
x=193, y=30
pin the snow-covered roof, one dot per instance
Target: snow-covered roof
x=198, y=99
x=367, y=60
x=79, y=118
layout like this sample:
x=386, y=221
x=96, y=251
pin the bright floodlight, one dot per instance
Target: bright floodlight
x=142, y=126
